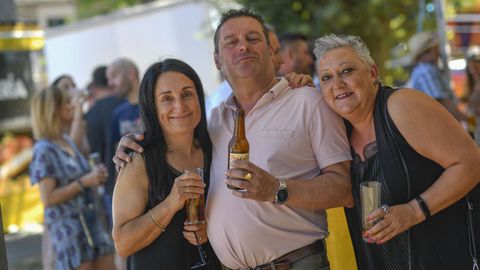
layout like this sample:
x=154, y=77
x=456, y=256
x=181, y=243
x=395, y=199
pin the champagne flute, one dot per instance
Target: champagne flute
x=203, y=256
x=196, y=206
x=196, y=215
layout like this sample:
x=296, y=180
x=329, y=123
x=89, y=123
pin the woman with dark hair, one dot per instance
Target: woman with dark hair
x=150, y=192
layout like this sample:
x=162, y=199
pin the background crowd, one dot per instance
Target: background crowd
x=440, y=167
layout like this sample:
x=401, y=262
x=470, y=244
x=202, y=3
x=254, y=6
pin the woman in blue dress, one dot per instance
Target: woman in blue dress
x=66, y=180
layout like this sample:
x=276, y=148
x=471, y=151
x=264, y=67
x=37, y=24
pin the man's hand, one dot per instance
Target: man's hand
x=127, y=143
x=258, y=184
x=299, y=80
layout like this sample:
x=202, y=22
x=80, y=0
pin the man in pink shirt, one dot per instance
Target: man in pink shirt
x=299, y=159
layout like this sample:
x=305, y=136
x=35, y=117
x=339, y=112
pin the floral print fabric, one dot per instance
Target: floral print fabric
x=63, y=221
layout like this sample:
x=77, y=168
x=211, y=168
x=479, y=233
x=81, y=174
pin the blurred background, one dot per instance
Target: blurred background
x=42, y=39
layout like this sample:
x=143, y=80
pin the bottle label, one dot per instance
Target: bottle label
x=234, y=156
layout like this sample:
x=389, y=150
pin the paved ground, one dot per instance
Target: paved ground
x=24, y=251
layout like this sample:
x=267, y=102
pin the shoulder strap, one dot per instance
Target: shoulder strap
x=406, y=174
x=388, y=143
x=391, y=158
x=471, y=234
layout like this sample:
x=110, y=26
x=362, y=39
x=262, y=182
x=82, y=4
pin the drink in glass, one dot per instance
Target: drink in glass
x=94, y=160
x=370, y=200
x=196, y=206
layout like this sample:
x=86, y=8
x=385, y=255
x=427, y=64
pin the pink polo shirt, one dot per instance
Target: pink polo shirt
x=292, y=134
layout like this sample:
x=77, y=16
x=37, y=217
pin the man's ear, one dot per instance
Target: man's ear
x=216, y=58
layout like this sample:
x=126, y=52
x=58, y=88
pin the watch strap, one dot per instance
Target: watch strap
x=281, y=188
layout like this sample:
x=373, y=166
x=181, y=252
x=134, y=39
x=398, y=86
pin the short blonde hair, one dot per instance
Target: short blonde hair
x=44, y=112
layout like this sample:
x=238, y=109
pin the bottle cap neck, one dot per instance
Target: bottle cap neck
x=239, y=130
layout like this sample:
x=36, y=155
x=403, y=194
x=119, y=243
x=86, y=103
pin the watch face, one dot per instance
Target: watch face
x=282, y=196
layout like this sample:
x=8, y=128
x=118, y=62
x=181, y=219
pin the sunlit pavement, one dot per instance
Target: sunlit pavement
x=24, y=250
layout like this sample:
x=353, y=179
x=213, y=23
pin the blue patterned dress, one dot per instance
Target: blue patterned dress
x=64, y=221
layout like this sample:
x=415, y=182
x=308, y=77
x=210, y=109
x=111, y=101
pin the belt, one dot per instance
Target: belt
x=285, y=261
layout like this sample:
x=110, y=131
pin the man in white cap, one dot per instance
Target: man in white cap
x=426, y=76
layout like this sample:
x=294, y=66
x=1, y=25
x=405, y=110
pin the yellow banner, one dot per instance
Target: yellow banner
x=21, y=37
x=19, y=27
x=22, y=44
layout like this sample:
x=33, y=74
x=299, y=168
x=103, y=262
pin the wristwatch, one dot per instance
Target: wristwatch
x=282, y=193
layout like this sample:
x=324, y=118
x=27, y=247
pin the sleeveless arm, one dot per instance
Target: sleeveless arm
x=133, y=229
x=433, y=132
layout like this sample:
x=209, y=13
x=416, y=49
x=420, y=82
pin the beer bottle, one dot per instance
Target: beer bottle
x=238, y=147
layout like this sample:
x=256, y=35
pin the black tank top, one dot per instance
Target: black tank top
x=437, y=243
x=170, y=250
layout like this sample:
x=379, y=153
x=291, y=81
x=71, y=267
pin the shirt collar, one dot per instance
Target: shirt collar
x=276, y=91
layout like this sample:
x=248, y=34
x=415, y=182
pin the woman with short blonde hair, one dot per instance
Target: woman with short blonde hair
x=44, y=106
x=65, y=180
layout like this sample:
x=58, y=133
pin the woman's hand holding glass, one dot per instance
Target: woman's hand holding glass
x=396, y=220
x=189, y=231
x=186, y=186
x=97, y=176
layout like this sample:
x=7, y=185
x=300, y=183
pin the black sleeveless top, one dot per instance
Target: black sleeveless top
x=170, y=250
x=441, y=242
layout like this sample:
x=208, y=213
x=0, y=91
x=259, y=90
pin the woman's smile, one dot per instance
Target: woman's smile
x=344, y=95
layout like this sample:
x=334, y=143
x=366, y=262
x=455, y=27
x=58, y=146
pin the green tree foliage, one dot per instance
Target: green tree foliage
x=89, y=8
x=384, y=25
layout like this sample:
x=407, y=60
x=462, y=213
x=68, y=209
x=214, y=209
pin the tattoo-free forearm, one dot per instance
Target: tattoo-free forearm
x=141, y=231
x=55, y=196
x=328, y=190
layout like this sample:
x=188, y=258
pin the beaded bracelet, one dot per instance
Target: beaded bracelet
x=423, y=206
x=155, y=222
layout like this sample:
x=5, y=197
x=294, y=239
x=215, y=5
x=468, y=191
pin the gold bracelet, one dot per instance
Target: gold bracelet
x=155, y=222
